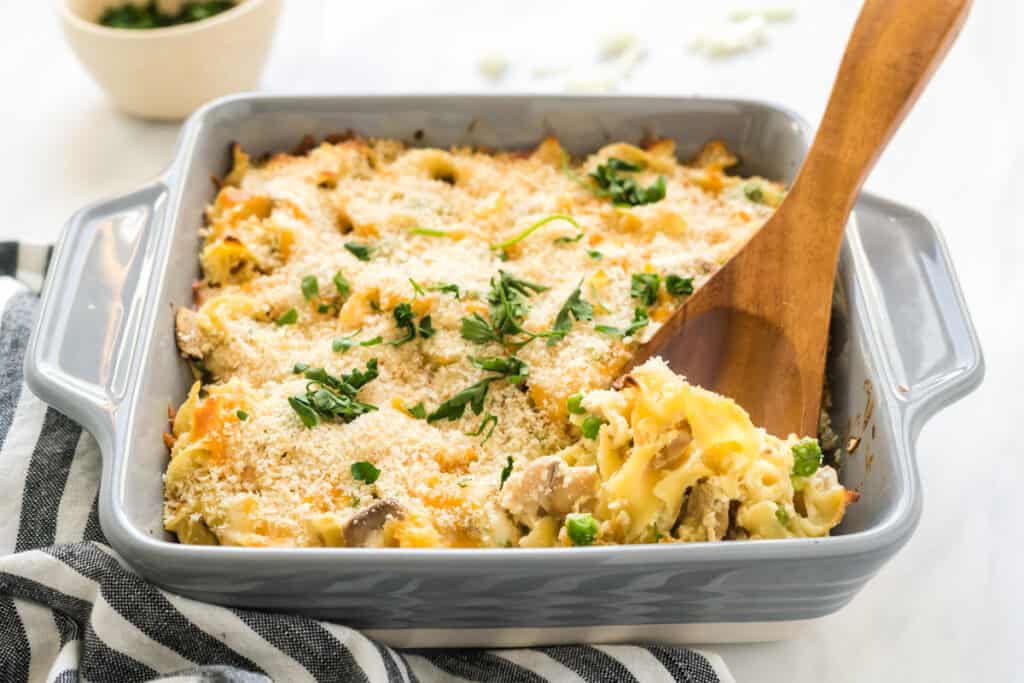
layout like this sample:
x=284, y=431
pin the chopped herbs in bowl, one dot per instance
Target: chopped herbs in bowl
x=168, y=59
x=150, y=15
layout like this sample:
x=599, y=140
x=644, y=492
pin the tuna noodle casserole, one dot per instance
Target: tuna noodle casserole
x=413, y=348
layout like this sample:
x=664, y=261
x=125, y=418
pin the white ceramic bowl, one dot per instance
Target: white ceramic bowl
x=166, y=73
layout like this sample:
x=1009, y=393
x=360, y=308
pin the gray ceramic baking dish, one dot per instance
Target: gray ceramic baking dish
x=104, y=353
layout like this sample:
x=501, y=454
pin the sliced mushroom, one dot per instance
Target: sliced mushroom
x=548, y=486
x=669, y=456
x=707, y=509
x=362, y=525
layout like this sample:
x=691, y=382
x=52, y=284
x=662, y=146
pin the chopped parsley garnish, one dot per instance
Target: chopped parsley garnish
x=568, y=240
x=575, y=404
x=472, y=396
x=289, y=317
x=616, y=165
x=242, y=415
x=365, y=472
x=416, y=287
x=306, y=412
x=342, y=285
x=506, y=471
x=507, y=308
x=478, y=330
x=342, y=344
x=446, y=288
x=595, y=254
x=782, y=515
x=640, y=321
x=573, y=175
x=511, y=368
x=360, y=251
x=581, y=528
x=676, y=285
x=509, y=285
x=807, y=457
x=426, y=327
x=622, y=190
x=310, y=287
x=300, y=368
x=406, y=320
x=488, y=421
x=419, y=411
x=591, y=426
x=357, y=378
x=463, y=483
x=430, y=232
x=501, y=246
x=644, y=286
x=575, y=307
x=328, y=397
x=311, y=292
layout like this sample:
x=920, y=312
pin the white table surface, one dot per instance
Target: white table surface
x=950, y=605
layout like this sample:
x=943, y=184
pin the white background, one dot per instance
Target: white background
x=950, y=605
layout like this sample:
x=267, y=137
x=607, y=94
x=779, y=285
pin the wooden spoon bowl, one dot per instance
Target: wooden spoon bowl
x=757, y=330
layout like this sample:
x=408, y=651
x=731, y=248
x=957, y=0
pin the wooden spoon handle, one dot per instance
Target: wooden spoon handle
x=894, y=48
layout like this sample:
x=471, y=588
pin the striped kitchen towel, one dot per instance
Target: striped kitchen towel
x=71, y=610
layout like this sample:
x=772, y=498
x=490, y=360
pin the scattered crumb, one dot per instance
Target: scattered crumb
x=773, y=14
x=620, y=54
x=598, y=84
x=615, y=45
x=630, y=60
x=493, y=66
x=730, y=39
x=548, y=71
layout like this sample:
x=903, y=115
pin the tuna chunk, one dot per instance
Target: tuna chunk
x=708, y=509
x=365, y=523
x=548, y=486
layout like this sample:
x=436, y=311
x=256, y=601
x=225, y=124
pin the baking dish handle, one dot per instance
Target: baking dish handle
x=932, y=350
x=78, y=359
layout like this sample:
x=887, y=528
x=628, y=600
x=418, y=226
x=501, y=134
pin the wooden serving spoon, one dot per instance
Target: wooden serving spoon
x=757, y=330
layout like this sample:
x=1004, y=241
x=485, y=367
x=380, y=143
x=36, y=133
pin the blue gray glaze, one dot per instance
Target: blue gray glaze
x=104, y=353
